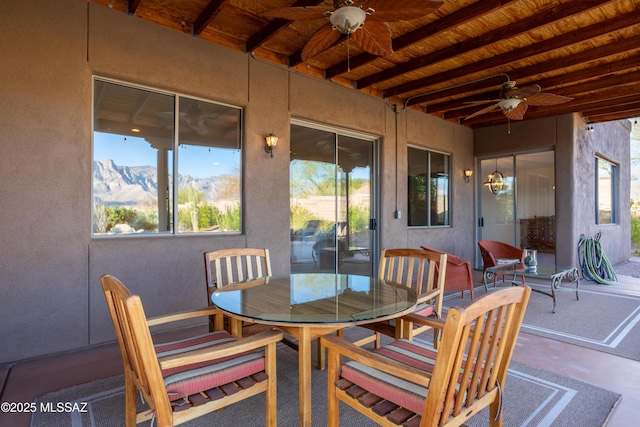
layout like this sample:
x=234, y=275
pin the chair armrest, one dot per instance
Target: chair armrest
x=428, y=296
x=422, y=320
x=262, y=339
x=353, y=352
x=182, y=315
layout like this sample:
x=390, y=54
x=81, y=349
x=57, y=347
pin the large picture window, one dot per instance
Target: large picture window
x=142, y=139
x=429, y=190
x=606, y=185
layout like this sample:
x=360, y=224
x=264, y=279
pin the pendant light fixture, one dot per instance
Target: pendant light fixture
x=495, y=182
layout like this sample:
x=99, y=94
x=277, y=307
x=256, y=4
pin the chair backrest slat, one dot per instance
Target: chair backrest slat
x=415, y=268
x=235, y=265
x=482, y=337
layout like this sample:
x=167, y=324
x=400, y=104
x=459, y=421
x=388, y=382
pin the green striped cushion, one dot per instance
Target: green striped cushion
x=184, y=381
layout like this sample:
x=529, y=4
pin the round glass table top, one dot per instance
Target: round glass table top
x=315, y=298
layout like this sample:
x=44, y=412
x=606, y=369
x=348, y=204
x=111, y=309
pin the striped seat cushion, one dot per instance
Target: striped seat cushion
x=403, y=393
x=187, y=380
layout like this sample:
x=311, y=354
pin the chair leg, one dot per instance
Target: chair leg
x=129, y=402
x=495, y=421
x=333, y=405
x=271, y=394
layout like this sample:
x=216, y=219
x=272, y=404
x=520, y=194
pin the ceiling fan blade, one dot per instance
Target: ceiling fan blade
x=374, y=37
x=485, y=110
x=545, y=98
x=323, y=39
x=524, y=92
x=298, y=13
x=517, y=113
x=402, y=10
x=482, y=102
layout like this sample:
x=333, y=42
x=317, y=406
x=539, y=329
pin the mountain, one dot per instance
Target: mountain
x=115, y=185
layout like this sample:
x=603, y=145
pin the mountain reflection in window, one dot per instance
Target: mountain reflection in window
x=140, y=144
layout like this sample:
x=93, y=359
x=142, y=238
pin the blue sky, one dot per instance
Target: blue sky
x=195, y=161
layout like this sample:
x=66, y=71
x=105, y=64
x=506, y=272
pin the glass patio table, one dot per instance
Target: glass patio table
x=308, y=306
x=554, y=273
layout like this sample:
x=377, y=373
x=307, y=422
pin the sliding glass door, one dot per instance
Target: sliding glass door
x=332, y=214
x=517, y=201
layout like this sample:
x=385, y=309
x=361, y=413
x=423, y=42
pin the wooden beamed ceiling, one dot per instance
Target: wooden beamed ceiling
x=448, y=61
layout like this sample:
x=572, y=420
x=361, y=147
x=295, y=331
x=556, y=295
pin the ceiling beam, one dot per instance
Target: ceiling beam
x=620, y=109
x=558, y=64
x=605, y=97
x=596, y=97
x=514, y=29
x=576, y=36
x=615, y=116
x=577, y=76
x=269, y=30
x=132, y=6
x=208, y=14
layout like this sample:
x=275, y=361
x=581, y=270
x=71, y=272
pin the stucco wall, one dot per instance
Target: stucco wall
x=50, y=296
x=575, y=152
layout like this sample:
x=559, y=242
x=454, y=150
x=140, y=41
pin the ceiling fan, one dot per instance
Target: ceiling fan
x=349, y=16
x=514, y=101
x=196, y=119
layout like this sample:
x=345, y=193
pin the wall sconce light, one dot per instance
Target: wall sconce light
x=467, y=174
x=271, y=141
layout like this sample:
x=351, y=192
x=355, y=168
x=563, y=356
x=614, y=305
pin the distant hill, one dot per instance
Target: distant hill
x=115, y=185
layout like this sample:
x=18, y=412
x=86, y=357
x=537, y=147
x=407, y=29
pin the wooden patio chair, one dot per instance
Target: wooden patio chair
x=185, y=379
x=412, y=384
x=492, y=251
x=233, y=265
x=415, y=268
x=459, y=276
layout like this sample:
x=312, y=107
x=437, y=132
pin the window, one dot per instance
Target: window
x=142, y=139
x=429, y=193
x=606, y=189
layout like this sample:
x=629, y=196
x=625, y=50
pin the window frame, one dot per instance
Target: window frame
x=174, y=160
x=428, y=198
x=613, y=170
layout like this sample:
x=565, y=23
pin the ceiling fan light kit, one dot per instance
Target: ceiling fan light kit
x=347, y=19
x=509, y=104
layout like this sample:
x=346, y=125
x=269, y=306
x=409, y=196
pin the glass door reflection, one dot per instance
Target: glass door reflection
x=330, y=202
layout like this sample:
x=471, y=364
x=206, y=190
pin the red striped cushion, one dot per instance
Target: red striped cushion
x=403, y=393
x=184, y=381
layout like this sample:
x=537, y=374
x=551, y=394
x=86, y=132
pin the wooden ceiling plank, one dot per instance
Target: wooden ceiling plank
x=615, y=116
x=443, y=24
x=576, y=76
x=600, y=96
x=605, y=69
x=580, y=35
x=605, y=97
x=457, y=89
x=537, y=20
x=269, y=30
x=207, y=15
x=621, y=108
x=583, y=57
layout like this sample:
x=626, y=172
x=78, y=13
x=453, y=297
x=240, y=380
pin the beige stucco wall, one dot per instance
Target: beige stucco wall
x=50, y=296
